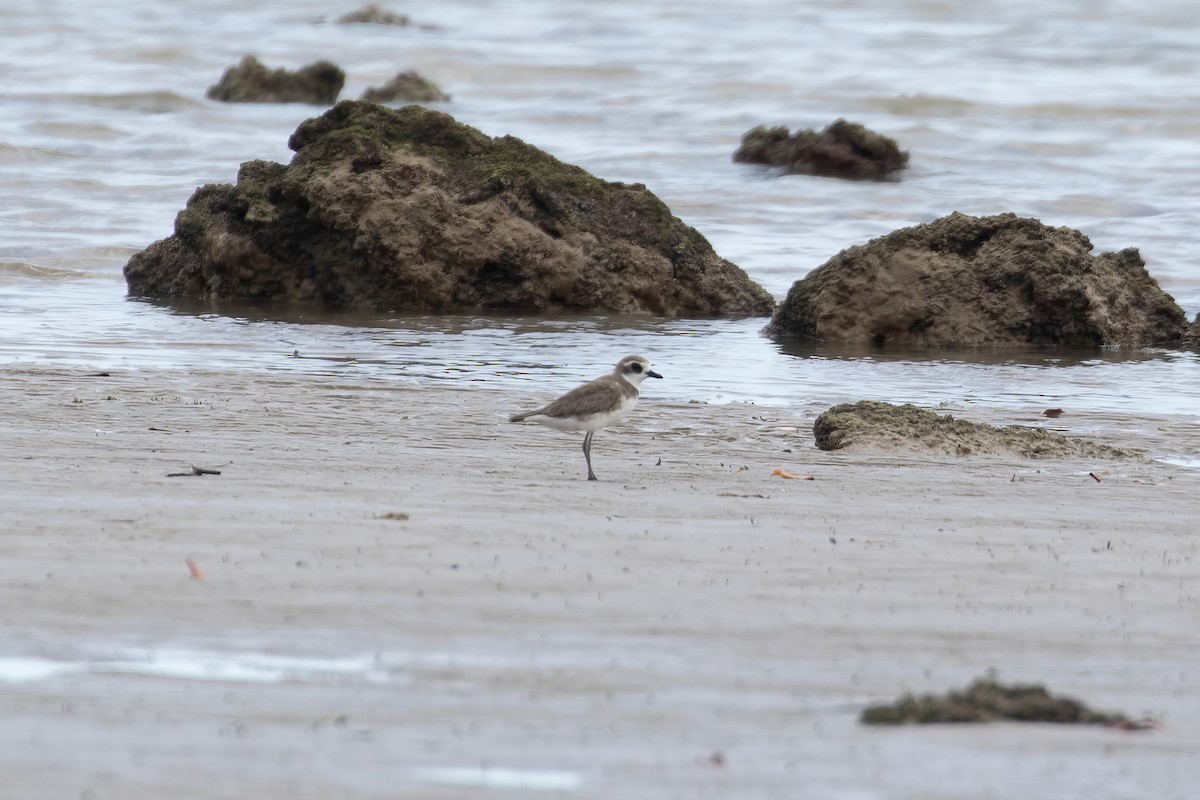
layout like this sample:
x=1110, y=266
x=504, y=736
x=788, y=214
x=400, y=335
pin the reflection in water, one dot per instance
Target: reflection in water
x=1027, y=355
x=100, y=163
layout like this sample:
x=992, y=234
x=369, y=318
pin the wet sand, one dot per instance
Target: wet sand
x=405, y=596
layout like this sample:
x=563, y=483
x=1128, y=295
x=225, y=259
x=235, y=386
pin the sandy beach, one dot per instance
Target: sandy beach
x=402, y=595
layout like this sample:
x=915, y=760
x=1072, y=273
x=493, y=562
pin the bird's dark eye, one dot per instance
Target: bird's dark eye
x=635, y=367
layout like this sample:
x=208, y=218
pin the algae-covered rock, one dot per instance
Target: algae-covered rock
x=964, y=280
x=252, y=82
x=985, y=700
x=876, y=425
x=407, y=209
x=842, y=150
x=407, y=87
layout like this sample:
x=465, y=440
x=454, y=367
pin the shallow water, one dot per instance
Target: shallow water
x=1079, y=118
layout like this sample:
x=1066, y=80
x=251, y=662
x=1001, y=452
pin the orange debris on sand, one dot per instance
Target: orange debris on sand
x=783, y=473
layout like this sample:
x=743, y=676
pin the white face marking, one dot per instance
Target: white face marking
x=632, y=377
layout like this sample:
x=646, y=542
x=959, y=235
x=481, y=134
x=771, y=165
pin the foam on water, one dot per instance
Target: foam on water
x=198, y=666
x=499, y=778
x=25, y=669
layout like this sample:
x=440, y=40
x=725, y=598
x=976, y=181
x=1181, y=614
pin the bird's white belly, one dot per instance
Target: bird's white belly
x=589, y=422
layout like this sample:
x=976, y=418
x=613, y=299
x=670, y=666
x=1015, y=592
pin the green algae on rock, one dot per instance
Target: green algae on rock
x=409, y=210
x=985, y=700
x=873, y=424
x=964, y=280
x=842, y=150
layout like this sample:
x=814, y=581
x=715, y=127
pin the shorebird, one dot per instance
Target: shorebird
x=595, y=404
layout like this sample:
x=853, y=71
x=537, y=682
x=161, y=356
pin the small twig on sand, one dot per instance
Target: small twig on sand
x=194, y=471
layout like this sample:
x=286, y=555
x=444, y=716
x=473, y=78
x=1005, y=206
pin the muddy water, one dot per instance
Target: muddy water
x=1080, y=119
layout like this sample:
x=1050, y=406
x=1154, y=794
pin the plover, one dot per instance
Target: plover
x=595, y=404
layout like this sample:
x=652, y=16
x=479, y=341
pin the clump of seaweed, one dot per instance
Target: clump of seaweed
x=986, y=700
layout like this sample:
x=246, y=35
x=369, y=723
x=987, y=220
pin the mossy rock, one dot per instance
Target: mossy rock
x=842, y=150
x=1191, y=339
x=409, y=210
x=250, y=81
x=969, y=281
x=875, y=425
x=408, y=87
x=374, y=15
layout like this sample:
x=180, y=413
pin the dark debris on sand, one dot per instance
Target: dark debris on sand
x=986, y=700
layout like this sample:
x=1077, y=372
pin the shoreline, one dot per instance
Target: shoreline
x=398, y=584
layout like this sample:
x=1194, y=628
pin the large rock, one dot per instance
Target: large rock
x=374, y=15
x=251, y=81
x=964, y=280
x=408, y=87
x=1191, y=339
x=406, y=209
x=842, y=150
x=874, y=425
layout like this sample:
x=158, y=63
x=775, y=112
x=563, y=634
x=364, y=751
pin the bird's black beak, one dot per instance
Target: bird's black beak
x=653, y=374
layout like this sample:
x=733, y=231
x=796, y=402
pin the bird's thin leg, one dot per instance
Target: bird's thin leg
x=587, y=454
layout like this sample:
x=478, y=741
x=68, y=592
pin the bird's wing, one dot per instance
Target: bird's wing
x=590, y=398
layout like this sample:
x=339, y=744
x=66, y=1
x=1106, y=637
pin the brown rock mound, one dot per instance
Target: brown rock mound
x=374, y=15
x=876, y=425
x=406, y=209
x=843, y=150
x=251, y=82
x=986, y=700
x=964, y=280
x=1191, y=339
x=408, y=87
